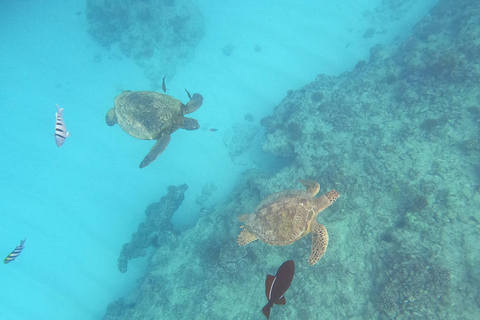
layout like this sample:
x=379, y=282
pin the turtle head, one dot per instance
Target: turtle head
x=194, y=103
x=110, y=117
x=190, y=124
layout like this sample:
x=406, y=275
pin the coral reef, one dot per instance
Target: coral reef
x=403, y=236
x=156, y=228
x=412, y=287
x=157, y=34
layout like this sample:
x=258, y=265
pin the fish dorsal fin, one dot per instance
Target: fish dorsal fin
x=268, y=285
x=281, y=300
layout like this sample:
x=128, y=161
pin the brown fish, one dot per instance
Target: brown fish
x=164, y=88
x=275, y=287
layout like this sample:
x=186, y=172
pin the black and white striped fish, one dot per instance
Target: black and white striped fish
x=60, y=131
x=14, y=254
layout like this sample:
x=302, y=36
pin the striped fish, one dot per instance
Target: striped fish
x=60, y=131
x=12, y=256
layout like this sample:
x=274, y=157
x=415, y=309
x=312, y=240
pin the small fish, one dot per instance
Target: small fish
x=164, y=88
x=275, y=287
x=14, y=254
x=212, y=129
x=188, y=93
x=60, y=130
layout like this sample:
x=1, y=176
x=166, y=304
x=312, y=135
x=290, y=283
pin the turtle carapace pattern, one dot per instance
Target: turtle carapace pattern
x=286, y=216
x=151, y=115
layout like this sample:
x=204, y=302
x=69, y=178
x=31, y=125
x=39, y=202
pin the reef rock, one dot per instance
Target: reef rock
x=156, y=227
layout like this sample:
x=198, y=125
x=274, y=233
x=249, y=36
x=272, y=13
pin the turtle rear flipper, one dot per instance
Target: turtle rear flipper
x=194, y=103
x=156, y=150
x=110, y=117
x=319, y=242
x=245, y=237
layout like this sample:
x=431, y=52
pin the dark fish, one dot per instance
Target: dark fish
x=164, y=88
x=212, y=129
x=188, y=93
x=60, y=130
x=14, y=254
x=275, y=287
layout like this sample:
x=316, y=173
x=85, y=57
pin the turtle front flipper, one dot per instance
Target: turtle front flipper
x=319, y=242
x=194, y=103
x=156, y=150
x=326, y=200
x=245, y=237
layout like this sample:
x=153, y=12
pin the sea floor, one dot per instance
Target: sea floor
x=394, y=128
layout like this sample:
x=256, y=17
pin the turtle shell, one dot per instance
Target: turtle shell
x=147, y=115
x=282, y=218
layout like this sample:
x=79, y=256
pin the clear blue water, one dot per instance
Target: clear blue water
x=78, y=204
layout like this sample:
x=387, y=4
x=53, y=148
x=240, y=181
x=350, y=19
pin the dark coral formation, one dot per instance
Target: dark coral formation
x=379, y=110
x=158, y=34
x=156, y=228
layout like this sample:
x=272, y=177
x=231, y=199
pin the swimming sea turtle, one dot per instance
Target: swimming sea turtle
x=150, y=115
x=286, y=216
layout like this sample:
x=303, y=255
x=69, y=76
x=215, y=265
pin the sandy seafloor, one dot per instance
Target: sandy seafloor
x=78, y=204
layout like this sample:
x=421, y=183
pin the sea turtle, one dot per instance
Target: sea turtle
x=286, y=216
x=150, y=115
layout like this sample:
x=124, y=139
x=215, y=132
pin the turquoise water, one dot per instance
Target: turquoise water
x=77, y=205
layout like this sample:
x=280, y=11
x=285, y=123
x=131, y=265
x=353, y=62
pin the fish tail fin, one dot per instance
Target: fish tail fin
x=266, y=309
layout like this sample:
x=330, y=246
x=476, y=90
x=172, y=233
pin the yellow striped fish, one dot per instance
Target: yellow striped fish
x=14, y=254
x=60, y=130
